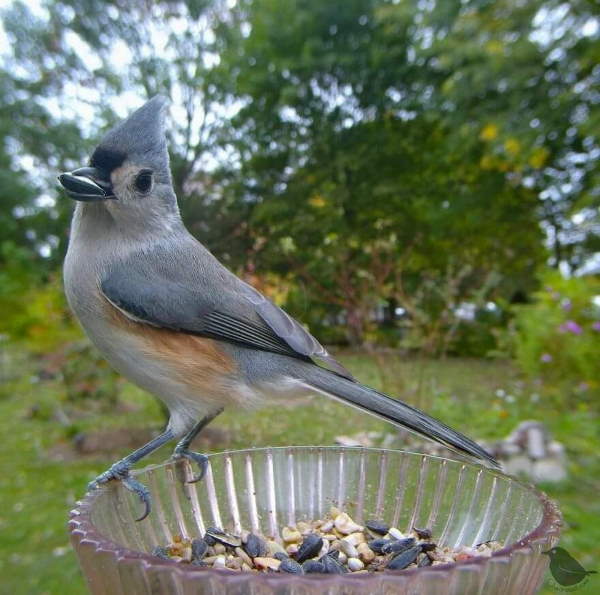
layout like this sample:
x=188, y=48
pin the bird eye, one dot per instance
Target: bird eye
x=143, y=181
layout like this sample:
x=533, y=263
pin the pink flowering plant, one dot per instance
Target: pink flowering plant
x=557, y=337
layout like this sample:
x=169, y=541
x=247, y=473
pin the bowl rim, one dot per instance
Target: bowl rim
x=83, y=531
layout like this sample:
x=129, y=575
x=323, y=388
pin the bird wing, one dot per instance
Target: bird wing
x=178, y=291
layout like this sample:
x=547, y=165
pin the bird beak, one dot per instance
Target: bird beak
x=86, y=184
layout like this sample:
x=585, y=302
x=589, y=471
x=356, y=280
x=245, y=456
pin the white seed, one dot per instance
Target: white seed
x=271, y=563
x=187, y=553
x=355, y=564
x=348, y=549
x=326, y=527
x=219, y=562
x=396, y=533
x=342, y=558
x=246, y=567
x=290, y=535
x=219, y=549
x=355, y=538
x=330, y=536
x=344, y=524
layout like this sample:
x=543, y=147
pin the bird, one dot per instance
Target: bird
x=169, y=317
x=564, y=568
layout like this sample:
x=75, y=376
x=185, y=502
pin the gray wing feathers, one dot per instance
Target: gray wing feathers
x=196, y=294
x=294, y=334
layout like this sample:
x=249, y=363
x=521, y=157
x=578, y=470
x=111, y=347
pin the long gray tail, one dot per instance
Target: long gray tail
x=392, y=410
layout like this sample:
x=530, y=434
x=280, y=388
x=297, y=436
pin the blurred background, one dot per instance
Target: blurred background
x=417, y=181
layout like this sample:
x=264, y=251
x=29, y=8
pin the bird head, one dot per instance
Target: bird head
x=128, y=172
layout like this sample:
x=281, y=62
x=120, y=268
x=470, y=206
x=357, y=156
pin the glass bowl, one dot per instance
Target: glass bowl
x=264, y=489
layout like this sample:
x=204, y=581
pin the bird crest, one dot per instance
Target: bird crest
x=139, y=139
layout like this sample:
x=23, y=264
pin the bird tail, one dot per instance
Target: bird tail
x=392, y=410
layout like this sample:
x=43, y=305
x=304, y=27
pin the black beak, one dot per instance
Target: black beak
x=86, y=184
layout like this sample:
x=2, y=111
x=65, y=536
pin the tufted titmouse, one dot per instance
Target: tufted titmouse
x=169, y=317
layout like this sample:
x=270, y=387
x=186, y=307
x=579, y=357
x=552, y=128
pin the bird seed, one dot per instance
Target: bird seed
x=333, y=545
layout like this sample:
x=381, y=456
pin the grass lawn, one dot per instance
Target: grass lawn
x=38, y=491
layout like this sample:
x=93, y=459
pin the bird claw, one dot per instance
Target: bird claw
x=120, y=472
x=133, y=485
x=195, y=457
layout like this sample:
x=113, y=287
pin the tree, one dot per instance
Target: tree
x=78, y=58
x=361, y=147
x=355, y=134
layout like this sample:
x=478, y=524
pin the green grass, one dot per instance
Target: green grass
x=37, y=491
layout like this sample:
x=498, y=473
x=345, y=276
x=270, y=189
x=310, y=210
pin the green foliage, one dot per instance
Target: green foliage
x=41, y=487
x=558, y=336
x=360, y=149
x=40, y=324
x=39, y=319
x=83, y=375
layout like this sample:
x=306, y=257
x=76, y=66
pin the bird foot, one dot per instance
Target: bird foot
x=195, y=457
x=120, y=472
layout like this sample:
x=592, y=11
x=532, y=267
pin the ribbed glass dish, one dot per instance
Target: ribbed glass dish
x=264, y=489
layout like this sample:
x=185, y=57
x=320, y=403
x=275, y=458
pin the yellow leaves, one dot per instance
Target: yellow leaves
x=512, y=146
x=509, y=153
x=489, y=132
x=487, y=162
x=494, y=47
x=494, y=162
x=538, y=157
x=317, y=201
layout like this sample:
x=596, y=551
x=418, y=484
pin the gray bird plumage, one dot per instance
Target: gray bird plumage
x=131, y=259
x=140, y=139
x=181, y=297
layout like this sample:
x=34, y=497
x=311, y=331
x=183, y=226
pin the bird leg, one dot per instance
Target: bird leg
x=120, y=471
x=182, y=449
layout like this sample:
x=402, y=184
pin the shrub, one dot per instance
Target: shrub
x=557, y=337
x=37, y=322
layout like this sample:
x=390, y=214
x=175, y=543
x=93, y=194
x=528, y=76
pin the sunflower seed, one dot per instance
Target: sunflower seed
x=331, y=566
x=255, y=546
x=199, y=549
x=377, y=544
x=396, y=547
x=312, y=566
x=423, y=533
x=222, y=537
x=291, y=566
x=405, y=558
x=378, y=527
x=310, y=547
